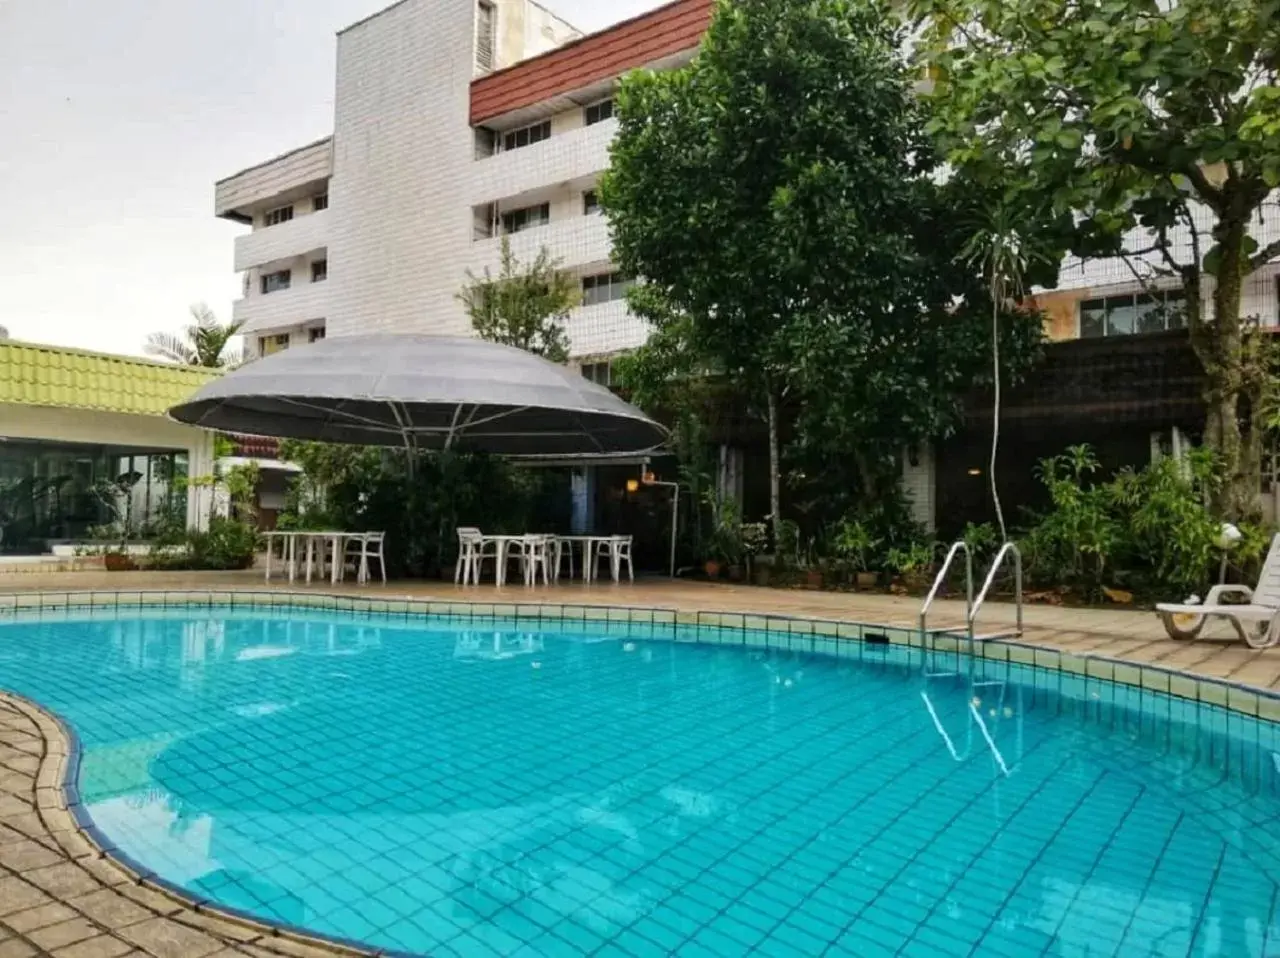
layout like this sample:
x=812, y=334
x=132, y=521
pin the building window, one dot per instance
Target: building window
x=604, y=288
x=601, y=373
x=315, y=334
x=281, y=214
x=320, y=202
x=319, y=271
x=1132, y=313
x=590, y=202
x=274, y=282
x=527, y=218
x=486, y=32
x=598, y=112
x=526, y=135
x=272, y=344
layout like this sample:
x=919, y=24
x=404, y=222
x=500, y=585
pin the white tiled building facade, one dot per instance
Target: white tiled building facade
x=378, y=226
x=459, y=121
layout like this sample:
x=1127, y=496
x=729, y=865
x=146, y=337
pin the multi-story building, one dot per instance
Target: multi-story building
x=456, y=123
x=460, y=122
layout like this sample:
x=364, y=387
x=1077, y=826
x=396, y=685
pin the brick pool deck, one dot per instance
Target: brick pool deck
x=61, y=896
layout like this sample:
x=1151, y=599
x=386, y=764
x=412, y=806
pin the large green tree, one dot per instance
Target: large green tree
x=205, y=342
x=777, y=198
x=525, y=305
x=1157, y=124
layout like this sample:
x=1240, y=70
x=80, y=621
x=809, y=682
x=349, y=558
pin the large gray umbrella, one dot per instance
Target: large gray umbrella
x=422, y=392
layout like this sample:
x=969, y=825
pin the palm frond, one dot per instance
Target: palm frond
x=170, y=347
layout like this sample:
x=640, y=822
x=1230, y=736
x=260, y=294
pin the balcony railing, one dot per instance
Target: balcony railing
x=604, y=328
x=575, y=241
x=566, y=156
x=302, y=303
x=301, y=235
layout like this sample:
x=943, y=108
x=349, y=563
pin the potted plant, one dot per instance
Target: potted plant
x=116, y=559
x=856, y=546
x=914, y=564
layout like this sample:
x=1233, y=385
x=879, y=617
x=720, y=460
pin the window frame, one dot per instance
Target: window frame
x=486, y=7
x=533, y=133
x=614, y=280
x=277, y=216
x=590, y=202
x=1100, y=309
x=509, y=217
x=320, y=202
x=323, y=265
x=604, y=110
x=315, y=334
x=280, y=341
x=280, y=285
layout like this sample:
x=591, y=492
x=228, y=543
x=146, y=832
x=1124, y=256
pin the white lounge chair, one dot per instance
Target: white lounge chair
x=1256, y=620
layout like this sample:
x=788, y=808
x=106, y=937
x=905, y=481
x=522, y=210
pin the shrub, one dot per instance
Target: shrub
x=1147, y=530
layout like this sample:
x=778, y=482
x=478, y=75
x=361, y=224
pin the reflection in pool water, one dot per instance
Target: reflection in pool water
x=438, y=787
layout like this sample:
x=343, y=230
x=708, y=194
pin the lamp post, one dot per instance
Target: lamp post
x=647, y=478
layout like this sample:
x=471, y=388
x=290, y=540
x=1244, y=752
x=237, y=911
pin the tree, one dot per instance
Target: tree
x=1001, y=252
x=1157, y=124
x=776, y=196
x=203, y=343
x=524, y=306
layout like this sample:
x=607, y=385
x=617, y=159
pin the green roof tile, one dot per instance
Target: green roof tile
x=35, y=375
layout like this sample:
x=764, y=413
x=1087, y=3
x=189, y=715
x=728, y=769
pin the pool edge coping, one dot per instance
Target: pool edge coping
x=73, y=832
x=1249, y=700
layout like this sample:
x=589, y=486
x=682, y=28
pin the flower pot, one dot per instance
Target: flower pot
x=814, y=578
x=867, y=580
x=764, y=575
x=119, y=562
x=735, y=573
x=712, y=569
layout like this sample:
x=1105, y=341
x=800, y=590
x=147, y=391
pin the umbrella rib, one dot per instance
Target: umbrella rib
x=331, y=413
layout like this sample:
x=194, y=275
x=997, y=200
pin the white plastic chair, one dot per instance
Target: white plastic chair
x=622, y=553
x=616, y=549
x=534, y=557
x=362, y=548
x=1256, y=620
x=472, y=551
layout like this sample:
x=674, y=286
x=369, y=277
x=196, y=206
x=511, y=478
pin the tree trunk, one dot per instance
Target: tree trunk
x=1229, y=373
x=775, y=469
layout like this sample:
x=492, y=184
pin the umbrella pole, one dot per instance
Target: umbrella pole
x=402, y=420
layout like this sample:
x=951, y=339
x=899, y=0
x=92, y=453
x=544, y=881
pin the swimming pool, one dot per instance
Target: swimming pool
x=490, y=787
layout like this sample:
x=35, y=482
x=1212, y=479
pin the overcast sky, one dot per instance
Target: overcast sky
x=117, y=117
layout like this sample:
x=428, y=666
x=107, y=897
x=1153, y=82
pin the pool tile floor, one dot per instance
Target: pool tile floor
x=60, y=897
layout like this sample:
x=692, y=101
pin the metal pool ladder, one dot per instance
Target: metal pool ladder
x=972, y=607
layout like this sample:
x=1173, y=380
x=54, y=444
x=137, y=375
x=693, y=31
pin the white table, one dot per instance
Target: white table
x=589, y=560
x=310, y=538
x=503, y=543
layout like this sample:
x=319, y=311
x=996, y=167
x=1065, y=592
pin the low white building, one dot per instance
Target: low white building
x=74, y=422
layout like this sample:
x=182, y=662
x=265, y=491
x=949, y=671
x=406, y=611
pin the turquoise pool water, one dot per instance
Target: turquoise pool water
x=476, y=788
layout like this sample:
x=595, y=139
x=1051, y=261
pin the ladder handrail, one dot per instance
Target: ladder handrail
x=1009, y=548
x=958, y=546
